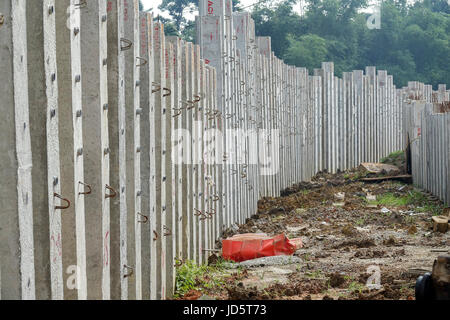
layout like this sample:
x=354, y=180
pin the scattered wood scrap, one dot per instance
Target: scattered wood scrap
x=398, y=177
x=440, y=223
x=377, y=168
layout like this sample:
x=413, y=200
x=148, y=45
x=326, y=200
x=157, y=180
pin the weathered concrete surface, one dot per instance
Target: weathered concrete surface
x=117, y=147
x=152, y=174
x=10, y=287
x=168, y=181
x=48, y=268
x=71, y=151
x=158, y=41
x=184, y=172
x=63, y=75
x=16, y=14
x=53, y=159
x=177, y=151
x=146, y=78
x=137, y=157
x=96, y=148
x=131, y=89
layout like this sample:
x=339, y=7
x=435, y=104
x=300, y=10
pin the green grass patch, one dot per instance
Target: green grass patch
x=314, y=274
x=413, y=197
x=396, y=155
x=304, y=191
x=361, y=221
x=390, y=199
x=396, y=158
x=191, y=276
x=356, y=286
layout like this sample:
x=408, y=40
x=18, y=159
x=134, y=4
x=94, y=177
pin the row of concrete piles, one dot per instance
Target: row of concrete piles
x=92, y=204
x=427, y=133
x=125, y=153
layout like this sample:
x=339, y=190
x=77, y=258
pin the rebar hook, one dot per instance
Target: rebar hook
x=157, y=85
x=167, y=94
x=127, y=46
x=192, y=105
x=81, y=4
x=130, y=269
x=168, y=231
x=178, y=262
x=197, y=98
x=86, y=185
x=64, y=199
x=178, y=113
x=145, y=218
x=142, y=63
x=112, y=195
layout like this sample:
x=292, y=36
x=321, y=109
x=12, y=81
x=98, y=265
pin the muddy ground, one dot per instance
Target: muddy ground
x=347, y=235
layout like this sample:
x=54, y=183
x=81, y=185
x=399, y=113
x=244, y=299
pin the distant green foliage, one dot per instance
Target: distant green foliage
x=413, y=42
x=307, y=51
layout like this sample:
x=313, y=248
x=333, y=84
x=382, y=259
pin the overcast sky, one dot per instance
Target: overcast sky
x=155, y=3
x=148, y=4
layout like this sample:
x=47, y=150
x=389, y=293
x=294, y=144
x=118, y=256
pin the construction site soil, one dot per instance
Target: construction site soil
x=360, y=241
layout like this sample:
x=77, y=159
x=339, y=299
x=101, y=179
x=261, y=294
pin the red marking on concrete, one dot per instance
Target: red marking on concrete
x=106, y=252
x=156, y=37
x=109, y=7
x=125, y=10
x=57, y=244
x=210, y=7
x=166, y=53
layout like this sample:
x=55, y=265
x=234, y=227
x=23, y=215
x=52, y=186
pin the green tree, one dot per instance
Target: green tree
x=307, y=51
x=413, y=42
x=177, y=9
x=276, y=20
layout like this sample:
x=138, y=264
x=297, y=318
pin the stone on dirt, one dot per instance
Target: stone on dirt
x=378, y=168
x=270, y=261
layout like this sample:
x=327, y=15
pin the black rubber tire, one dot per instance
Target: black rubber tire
x=424, y=288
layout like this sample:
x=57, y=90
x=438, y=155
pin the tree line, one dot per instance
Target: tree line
x=411, y=41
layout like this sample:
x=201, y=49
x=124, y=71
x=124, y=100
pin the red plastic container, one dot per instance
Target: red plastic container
x=248, y=246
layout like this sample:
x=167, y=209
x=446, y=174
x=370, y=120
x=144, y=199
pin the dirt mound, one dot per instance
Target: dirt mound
x=346, y=225
x=358, y=243
x=301, y=287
